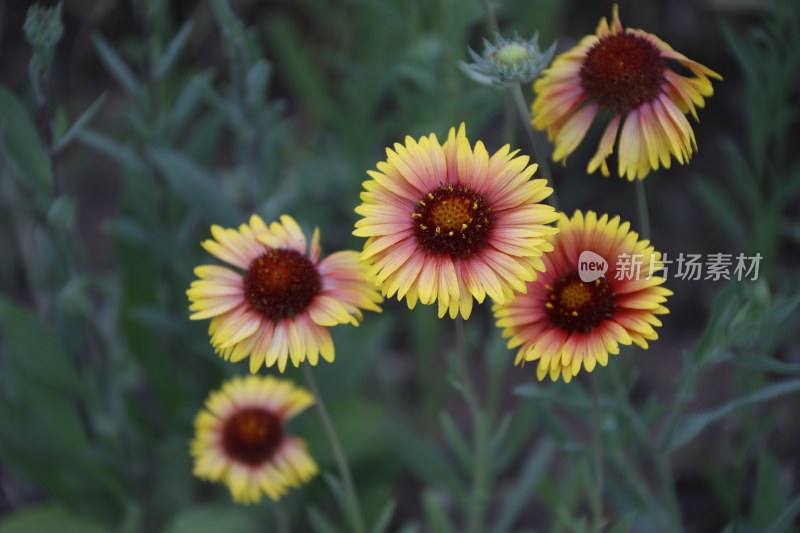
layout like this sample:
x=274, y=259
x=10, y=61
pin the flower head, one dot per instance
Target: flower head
x=567, y=324
x=280, y=299
x=627, y=73
x=240, y=438
x=450, y=223
x=508, y=61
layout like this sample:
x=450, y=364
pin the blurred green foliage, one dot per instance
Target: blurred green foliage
x=102, y=373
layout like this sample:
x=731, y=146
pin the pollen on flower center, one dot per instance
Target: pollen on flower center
x=281, y=283
x=577, y=306
x=512, y=53
x=453, y=220
x=622, y=71
x=252, y=435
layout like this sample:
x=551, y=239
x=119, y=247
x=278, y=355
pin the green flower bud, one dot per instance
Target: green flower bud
x=508, y=61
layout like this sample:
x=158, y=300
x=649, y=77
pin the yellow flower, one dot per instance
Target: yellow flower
x=282, y=300
x=625, y=72
x=567, y=324
x=240, y=439
x=449, y=223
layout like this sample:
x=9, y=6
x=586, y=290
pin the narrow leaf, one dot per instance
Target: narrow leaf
x=79, y=124
x=175, y=47
x=115, y=64
x=692, y=425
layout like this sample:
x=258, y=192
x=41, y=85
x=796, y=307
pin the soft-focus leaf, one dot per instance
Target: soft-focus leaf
x=195, y=186
x=770, y=496
x=33, y=349
x=175, y=47
x=456, y=440
x=385, y=518
x=47, y=519
x=79, y=124
x=115, y=64
x=435, y=516
x=319, y=522
x=786, y=518
x=624, y=525
x=21, y=142
x=691, y=426
x=722, y=209
x=214, y=519
x=529, y=475
x=112, y=148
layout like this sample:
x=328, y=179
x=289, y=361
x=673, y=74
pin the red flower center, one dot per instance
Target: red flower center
x=281, y=283
x=577, y=306
x=622, y=72
x=251, y=435
x=453, y=220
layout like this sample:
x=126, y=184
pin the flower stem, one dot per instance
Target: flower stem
x=641, y=205
x=338, y=453
x=515, y=92
x=538, y=153
x=491, y=19
x=281, y=520
x=597, y=446
x=480, y=474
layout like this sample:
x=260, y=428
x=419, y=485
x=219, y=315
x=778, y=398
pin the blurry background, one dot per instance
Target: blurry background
x=158, y=119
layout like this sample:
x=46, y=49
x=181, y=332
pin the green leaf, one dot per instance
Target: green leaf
x=193, y=184
x=500, y=433
x=624, y=525
x=301, y=69
x=435, y=517
x=530, y=474
x=556, y=394
x=47, y=519
x=691, y=426
x=120, y=153
x=770, y=496
x=33, y=349
x=456, y=440
x=724, y=211
x=342, y=499
x=256, y=84
x=432, y=465
x=766, y=364
x=21, y=142
x=115, y=64
x=214, y=518
x=79, y=124
x=186, y=103
x=785, y=519
x=319, y=522
x=385, y=518
x=62, y=213
x=175, y=47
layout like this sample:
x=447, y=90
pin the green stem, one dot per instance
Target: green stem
x=480, y=474
x=644, y=214
x=597, y=446
x=281, y=520
x=659, y=458
x=538, y=153
x=338, y=453
x=491, y=19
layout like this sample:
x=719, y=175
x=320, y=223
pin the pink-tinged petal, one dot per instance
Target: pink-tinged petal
x=574, y=131
x=606, y=147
